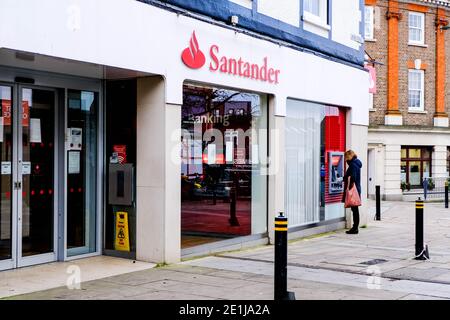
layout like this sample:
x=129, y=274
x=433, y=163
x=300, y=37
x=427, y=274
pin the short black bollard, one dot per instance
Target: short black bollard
x=281, y=228
x=421, y=252
x=446, y=193
x=378, y=203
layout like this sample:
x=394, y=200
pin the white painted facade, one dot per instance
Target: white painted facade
x=94, y=39
x=386, y=146
x=284, y=10
x=346, y=19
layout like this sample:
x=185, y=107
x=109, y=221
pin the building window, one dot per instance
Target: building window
x=315, y=11
x=416, y=28
x=314, y=165
x=416, y=90
x=223, y=164
x=415, y=165
x=368, y=22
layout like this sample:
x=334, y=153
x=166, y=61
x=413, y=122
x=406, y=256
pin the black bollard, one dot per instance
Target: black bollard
x=446, y=194
x=378, y=203
x=281, y=228
x=421, y=252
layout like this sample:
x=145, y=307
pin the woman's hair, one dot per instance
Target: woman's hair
x=349, y=154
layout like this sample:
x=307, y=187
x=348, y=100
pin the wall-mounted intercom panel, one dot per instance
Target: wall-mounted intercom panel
x=121, y=184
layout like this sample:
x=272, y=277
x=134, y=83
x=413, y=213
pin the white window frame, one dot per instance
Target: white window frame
x=422, y=89
x=422, y=28
x=371, y=102
x=320, y=20
x=369, y=12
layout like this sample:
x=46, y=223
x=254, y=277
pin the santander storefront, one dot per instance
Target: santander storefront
x=194, y=58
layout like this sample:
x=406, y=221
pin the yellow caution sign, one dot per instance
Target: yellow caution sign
x=122, y=242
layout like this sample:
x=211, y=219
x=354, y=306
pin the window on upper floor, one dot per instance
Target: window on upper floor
x=416, y=22
x=368, y=22
x=315, y=11
x=416, y=90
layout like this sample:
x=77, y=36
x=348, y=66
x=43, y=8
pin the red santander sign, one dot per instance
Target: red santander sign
x=194, y=58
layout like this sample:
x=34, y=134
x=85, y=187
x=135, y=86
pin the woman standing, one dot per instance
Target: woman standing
x=354, y=172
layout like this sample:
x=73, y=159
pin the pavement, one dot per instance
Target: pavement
x=57, y=274
x=376, y=264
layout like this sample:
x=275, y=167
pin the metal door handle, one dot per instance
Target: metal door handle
x=17, y=185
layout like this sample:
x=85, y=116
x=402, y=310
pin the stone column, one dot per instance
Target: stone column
x=276, y=171
x=393, y=115
x=392, y=171
x=158, y=174
x=439, y=161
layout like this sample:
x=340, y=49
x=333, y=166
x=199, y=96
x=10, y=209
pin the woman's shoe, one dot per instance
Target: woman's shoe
x=352, y=231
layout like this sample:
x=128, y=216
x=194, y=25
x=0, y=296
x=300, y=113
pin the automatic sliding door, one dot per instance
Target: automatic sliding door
x=35, y=178
x=7, y=244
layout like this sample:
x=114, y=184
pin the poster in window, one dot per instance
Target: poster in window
x=1, y=129
x=336, y=172
x=121, y=151
x=35, y=130
x=6, y=112
x=74, y=162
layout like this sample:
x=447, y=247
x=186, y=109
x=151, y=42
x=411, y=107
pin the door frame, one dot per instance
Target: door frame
x=100, y=172
x=61, y=83
x=371, y=172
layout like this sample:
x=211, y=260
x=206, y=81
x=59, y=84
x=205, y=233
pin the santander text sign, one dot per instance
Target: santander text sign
x=194, y=58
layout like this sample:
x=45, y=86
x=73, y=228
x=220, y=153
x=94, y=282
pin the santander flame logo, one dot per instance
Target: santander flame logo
x=192, y=56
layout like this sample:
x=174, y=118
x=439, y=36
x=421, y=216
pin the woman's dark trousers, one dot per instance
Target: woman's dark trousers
x=355, y=211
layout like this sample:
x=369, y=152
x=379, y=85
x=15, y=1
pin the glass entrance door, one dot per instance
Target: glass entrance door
x=35, y=176
x=7, y=220
x=27, y=193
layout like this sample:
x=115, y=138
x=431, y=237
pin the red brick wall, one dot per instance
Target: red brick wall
x=407, y=53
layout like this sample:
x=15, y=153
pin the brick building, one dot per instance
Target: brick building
x=407, y=42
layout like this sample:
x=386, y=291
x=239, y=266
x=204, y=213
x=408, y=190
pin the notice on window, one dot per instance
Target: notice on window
x=35, y=130
x=26, y=167
x=6, y=167
x=1, y=129
x=211, y=154
x=240, y=156
x=229, y=151
x=74, y=162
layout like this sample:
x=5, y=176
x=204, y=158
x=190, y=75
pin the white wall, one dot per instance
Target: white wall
x=99, y=32
x=244, y=3
x=346, y=18
x=158, y=218
x=284, y=10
